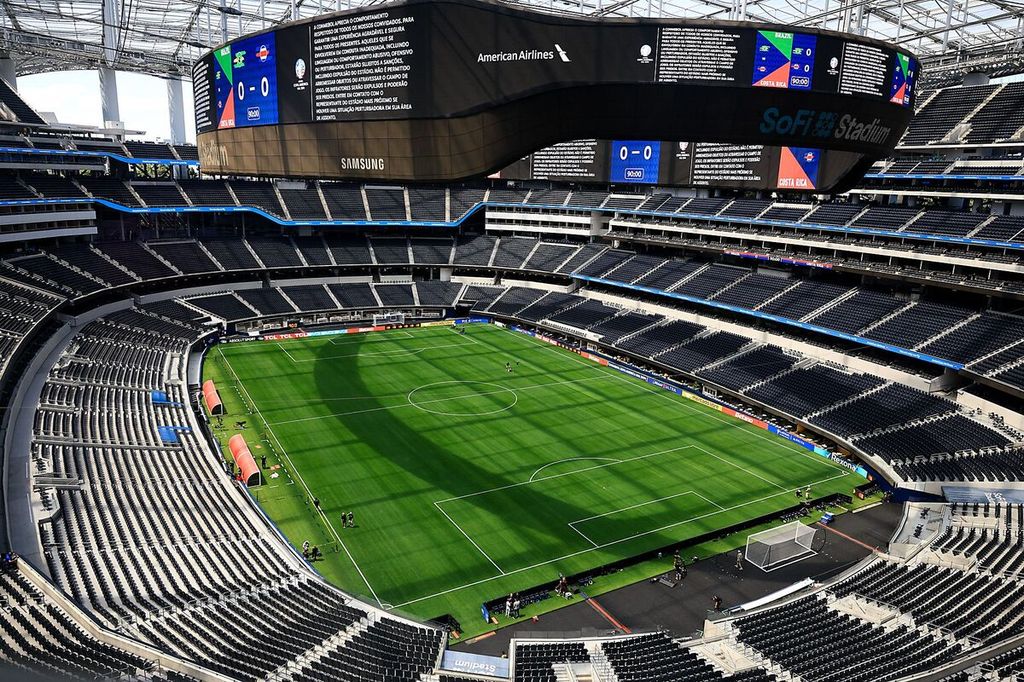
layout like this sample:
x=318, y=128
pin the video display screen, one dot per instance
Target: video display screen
x=635, y=161
x=784, y=60
x=452, y=58
x=904, y=77
x=684, y=164
x=245, y=83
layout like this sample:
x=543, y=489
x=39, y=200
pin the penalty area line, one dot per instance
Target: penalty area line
x=481, y=581
x=466, y=535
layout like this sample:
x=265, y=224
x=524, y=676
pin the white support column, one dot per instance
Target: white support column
x=108, y=94
x=949, y=24
x=108, y=77
x=176, y=110
x=223, y=21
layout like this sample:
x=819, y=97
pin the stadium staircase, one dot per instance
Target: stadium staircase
x=831, y=304
x=948, y=330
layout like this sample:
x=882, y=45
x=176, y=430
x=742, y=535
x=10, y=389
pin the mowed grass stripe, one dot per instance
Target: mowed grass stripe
x=361, y=446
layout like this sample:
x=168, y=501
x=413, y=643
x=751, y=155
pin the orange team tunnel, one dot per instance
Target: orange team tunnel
x=244, y=460
x=212, y=398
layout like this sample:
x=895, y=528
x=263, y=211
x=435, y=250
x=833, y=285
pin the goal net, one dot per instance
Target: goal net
x=777, y=547
x=389, y=318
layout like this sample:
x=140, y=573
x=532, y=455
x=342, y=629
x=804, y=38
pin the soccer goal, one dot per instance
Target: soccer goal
x=388, y=318
x=777, y=547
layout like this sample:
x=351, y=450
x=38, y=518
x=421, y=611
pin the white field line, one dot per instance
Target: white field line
x=298, y=475
x=466, y=535
x=370, y=337
x=637, y=506
x=736, y=424
x=567, y=473
x=436, y=400
x=397, y=352
x=468, y=337
x=571, y=459
x=615, y=542
x=290, y=357
x=742, y=468
x=583, y=535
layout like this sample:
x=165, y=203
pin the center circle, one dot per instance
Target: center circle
x=463, y=398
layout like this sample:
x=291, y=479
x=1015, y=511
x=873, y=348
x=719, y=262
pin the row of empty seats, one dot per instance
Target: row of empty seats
x=322, y=201
x=151, y=538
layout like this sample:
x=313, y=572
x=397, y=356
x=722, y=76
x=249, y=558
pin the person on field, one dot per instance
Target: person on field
x=515, y=607
x=344, y=520
x=351, y=520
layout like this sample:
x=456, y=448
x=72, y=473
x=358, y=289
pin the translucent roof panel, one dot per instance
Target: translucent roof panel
x=163, y=37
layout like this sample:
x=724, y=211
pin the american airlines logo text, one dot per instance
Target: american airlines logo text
x=524, y=56
x=362, y=163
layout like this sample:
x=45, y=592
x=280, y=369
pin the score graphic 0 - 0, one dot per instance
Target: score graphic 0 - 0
x=784, y=60
x=246, y=83
x=635, y=161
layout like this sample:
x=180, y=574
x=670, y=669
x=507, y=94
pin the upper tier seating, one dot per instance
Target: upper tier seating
x=427, y=204
x=345, y=202
x=390, y=250
x=232, y=254
x=148, y=150
x=17, y=105
x=349, y=250
x=1000, y=118
x=386, y=203
x=810, y=389
x=747, y=369
x=207, y=192
x=257, y=194
x=109, y=188
x=703, y=351
x=159, y=194
x=432, y=251
x=892, y=404
x=188, y=256
x=461, y=201
x=943, y=112
x=303, y=204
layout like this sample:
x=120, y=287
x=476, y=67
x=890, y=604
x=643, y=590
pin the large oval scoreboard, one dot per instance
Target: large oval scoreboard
x=452, y=89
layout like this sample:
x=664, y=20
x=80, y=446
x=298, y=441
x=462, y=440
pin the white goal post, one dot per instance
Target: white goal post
x=388, y=318
x=777, y=547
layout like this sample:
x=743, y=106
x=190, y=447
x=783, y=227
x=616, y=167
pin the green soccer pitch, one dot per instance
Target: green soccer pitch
x=469, y=481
